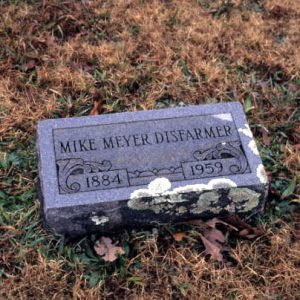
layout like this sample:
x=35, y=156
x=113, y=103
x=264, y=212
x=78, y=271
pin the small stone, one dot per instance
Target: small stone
x=102, y=173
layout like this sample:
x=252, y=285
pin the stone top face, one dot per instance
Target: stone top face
x=112, y=157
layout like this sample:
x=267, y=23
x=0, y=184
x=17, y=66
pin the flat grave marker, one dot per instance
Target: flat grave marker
x=100, y=173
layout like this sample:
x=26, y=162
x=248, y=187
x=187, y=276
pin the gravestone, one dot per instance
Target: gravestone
x=100, y=173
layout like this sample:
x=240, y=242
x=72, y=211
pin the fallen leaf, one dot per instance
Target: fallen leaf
x=212, y=238
x=237, y=222
x=214, y=221
x=212, y=249
x=88, y=68
x=244, y=229
x=50, y=41
x=292, y=87
x=256, y=231
x=210, y=223
x=96, y=107
x=178, y=236
x=196, y=222
x=244, y=232
x=83, y=66
x=29, y=65
x=107, y=250
x=214, y=235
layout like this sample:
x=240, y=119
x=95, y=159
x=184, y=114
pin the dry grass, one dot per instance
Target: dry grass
x=57, y=57
x=144, y=51
x=162, y=269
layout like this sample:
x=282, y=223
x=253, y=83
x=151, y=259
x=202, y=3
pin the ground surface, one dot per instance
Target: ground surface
x=57, y=58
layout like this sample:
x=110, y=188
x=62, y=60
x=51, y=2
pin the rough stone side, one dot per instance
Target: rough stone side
x=106, y=217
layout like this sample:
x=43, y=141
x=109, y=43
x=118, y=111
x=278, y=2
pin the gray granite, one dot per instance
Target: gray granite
x=101, y=173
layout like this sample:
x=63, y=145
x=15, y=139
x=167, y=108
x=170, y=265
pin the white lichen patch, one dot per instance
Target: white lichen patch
x=219, y=183
x=206, y=202
x=253, y=147
x=164, y=200
x=181, y=210
x=158, y=204
x=242, y=200
x=155, y=187
x=190, y=188
x=212, y=184
x=99, y=220
x=246, y=131
x=224, y=117
x=231, y=207
x=261, y=174
x=159, y=185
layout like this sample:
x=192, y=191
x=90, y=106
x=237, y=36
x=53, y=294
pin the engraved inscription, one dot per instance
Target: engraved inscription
x=111, y=156
x=76, y=175
x=208, y=168
x=106, y=180
x=223, y=150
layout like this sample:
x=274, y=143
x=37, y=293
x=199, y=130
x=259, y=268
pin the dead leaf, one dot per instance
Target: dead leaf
x=212, y=249
x=244, y=229
x=244, y=232
x=50, y=41
x=29, y=65
x=196, y=222
x=210, y=223
x=212, y=238
x=214, y=221
x=292, y=87
x=237, y=222
x=297, y=147
x=88, y=68
x=214, y=235
x=96, y=107
x=178, y=236
x=107, y=250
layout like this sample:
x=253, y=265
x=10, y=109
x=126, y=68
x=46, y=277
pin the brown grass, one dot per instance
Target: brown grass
x=267, y=268
x=144, y=44
x=56, y=57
